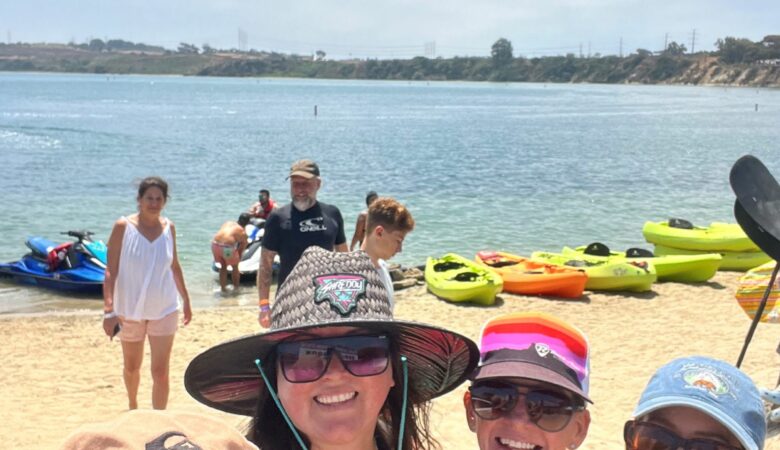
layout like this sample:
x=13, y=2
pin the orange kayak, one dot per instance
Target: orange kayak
x=527, y=277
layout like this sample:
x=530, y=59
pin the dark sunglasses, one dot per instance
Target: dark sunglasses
x=547, y=409
x=649, y=436
x=308, y=360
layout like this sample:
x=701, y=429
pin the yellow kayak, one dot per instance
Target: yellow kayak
x=682, y=234
x=457, y=279
x=606, y=275
x=739, y=261
x=680, y=268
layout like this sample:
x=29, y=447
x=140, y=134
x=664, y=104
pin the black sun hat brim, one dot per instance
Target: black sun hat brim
x=225, y=376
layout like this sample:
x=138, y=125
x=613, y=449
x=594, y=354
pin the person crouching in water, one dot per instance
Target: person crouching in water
x=531, y=386
x=387, y=225
x=697, y=403
x=227, y=246
x=336, y=370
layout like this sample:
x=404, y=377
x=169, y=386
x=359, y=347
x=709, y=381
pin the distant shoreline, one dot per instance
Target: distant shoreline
x=701, y=69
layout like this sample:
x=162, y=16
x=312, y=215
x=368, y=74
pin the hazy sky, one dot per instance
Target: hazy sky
x=394, y=28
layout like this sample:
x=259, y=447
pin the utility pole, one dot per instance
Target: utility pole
x=666, y=41
x=621, y=46
x=580, y=49
x=693, y=42
x=588, y=49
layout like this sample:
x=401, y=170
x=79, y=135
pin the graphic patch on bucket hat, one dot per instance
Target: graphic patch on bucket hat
x=341, y=290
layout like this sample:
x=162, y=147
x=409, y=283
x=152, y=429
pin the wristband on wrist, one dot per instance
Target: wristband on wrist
x=265, y=305
x=109, y=315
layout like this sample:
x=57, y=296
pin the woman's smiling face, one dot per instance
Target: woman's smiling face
x=514, y=430
x=338, y=408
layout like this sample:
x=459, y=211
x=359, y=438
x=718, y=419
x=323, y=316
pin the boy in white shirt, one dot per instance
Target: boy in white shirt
x=387, y=225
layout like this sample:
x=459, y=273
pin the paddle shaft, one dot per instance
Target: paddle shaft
x=759, y=312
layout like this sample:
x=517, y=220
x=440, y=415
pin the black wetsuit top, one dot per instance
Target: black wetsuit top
x=289, y=232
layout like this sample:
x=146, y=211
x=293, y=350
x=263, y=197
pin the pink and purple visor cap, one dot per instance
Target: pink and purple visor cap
x=535, y=346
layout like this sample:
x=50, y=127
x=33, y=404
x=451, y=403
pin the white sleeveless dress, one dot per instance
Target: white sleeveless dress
x=145, y=288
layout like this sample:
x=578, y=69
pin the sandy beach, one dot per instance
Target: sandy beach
x=60, y=371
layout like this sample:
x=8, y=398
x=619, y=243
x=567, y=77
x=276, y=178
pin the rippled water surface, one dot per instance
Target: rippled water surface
x=519, y=167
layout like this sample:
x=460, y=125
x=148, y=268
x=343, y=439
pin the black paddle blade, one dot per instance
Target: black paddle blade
x=765, y=241
x=757, y=209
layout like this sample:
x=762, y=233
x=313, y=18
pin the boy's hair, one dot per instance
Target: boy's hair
x=390, y=214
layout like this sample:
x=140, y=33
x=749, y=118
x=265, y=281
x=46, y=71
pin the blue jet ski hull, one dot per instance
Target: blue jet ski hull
x=33, y=272
x=82, y=271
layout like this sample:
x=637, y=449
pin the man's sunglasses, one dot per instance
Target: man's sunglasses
x=547, y=409
x=649, y=436
x=308, y=360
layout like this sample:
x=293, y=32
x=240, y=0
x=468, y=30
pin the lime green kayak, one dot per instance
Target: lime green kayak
x=681, y=268
x=738, y=261
x=718, y=237
x=606, y=275
x=457, y=279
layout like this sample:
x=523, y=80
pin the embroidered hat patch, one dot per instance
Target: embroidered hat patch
x=341, y=290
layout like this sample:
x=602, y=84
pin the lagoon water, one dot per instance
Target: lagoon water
x=519, y=167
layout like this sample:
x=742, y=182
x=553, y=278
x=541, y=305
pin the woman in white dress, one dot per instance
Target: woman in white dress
x=141, y=293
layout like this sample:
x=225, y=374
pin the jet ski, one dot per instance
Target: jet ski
x=250, y=259
x=73, y=266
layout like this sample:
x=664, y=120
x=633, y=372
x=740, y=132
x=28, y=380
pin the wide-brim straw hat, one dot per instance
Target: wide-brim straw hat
x=327, y=289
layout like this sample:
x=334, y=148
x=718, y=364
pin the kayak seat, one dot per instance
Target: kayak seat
x=466, y=276
x=680, y=223
x=576, y=263
x=635, y=252
x=498, y=264
x=597, y=249
x=448, y=265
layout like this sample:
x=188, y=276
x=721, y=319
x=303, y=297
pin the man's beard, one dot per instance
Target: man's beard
x=302, y=204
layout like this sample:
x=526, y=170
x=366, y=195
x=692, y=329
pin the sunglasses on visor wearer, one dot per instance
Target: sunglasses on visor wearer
x=308, y=360
x=548, y=409
x=649, y=436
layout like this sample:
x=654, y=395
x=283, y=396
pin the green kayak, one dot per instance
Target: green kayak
x=717, y=237
x=681, y=268
x=457, y=279
x=606, y=275
x=738, y=261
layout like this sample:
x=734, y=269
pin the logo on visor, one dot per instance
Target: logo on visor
x=542, y=350
x=342, y=291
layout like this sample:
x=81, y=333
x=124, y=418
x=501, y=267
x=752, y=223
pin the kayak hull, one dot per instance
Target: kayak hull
x=606, y=275
x=717, y=237
x=696, y=268
x=526, y=277
x=736, y=261
x=480, y=288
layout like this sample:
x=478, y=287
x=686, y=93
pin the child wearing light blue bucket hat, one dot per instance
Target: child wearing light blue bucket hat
x=697, y=403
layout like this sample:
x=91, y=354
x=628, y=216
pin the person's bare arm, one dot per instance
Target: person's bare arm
x=264, y=276
x=178, y=278
x=114, y=251
x=341, y=247
x=360, y=231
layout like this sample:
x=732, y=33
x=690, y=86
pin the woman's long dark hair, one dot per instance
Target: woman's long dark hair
x=269, y=431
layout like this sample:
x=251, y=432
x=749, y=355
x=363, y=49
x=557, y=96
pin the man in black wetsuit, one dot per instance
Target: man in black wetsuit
x=294, y=227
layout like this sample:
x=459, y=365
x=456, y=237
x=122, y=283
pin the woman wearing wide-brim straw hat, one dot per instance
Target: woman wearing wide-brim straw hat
x=335, y=370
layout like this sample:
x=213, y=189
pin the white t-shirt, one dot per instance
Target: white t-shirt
x=388, y=282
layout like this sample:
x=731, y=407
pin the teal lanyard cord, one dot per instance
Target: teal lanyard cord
x=279, y=405
x=403, y=408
